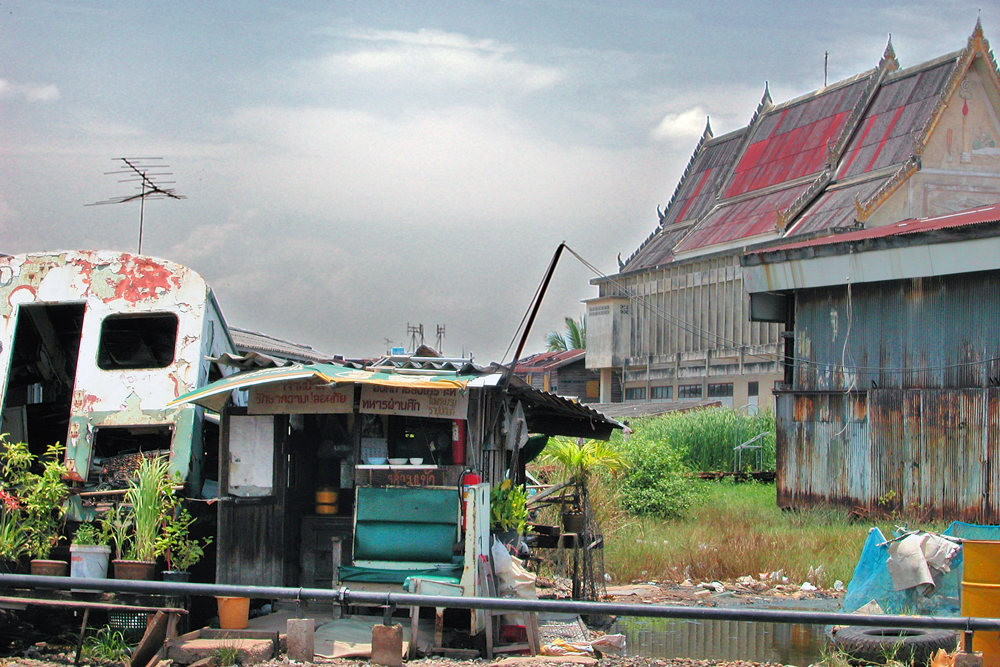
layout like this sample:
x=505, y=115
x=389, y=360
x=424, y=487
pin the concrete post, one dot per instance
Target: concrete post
x=301, y=639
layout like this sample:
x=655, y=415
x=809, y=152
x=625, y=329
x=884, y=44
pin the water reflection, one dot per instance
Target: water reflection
x=723, y=640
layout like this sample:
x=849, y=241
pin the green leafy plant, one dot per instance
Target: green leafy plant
x=13, y=539
x=93, y=533
x=119, y=522
x=33, y=500
x=508, y=507
x=579, y=459
x=175, y=542
x=107, y=644
x=148, y=495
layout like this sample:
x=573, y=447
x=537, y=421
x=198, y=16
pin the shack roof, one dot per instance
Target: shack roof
x=547, y=361
x=545, y=412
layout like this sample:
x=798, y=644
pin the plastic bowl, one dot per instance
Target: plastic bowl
x=376, y=460
x=416, y=461
x=397, y=462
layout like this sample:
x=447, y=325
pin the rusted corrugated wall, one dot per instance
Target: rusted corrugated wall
x=895, y=400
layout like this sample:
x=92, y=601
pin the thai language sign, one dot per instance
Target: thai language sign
x=440, y=402
x=305, y=396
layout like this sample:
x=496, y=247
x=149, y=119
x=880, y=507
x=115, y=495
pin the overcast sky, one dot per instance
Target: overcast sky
x=352, y=167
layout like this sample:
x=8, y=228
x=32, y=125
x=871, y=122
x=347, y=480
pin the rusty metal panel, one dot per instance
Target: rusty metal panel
x=934, y=332
x=923, y=449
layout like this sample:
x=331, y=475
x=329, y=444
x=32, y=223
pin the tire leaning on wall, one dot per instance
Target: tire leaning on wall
x=877, y=645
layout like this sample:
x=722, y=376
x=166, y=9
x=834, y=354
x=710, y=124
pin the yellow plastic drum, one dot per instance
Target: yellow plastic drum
x=981, y=594
x=326, y=500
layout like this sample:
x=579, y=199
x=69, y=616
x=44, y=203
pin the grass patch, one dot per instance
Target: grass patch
x=734, y=531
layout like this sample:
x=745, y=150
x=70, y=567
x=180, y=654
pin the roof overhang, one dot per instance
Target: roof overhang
x=930, y=247
x=545, y=413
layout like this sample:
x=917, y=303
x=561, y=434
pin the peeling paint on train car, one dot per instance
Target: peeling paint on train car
x=62, y=361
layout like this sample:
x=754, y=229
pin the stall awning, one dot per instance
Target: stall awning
x=215, y=395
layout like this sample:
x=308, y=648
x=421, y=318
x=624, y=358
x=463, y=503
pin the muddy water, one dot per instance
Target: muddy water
x=723, y=640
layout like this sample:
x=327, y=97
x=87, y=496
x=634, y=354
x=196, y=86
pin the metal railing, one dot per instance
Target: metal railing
x=391, y=600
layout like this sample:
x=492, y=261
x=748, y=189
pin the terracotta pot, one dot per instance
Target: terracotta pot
x=49, y=568
x=137, y=570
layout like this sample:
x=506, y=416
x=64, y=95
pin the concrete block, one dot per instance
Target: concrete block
x=387, y=645
x=969, y=660
x=301, y=639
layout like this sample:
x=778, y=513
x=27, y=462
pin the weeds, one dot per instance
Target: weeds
x=227, y=655
x=107, y=644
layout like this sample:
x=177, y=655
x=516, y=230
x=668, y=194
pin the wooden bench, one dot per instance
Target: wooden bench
x=62, y=600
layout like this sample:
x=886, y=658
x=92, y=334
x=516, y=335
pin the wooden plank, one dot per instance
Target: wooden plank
x=83, y=604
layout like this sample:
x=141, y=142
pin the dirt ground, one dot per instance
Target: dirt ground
x=769, y=593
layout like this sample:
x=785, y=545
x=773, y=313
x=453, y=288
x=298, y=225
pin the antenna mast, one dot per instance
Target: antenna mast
x=147, y=172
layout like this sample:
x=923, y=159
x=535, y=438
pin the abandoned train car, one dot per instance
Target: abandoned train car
x=94, y=345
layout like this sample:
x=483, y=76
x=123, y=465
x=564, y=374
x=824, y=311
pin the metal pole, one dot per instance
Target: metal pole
x=381, y=599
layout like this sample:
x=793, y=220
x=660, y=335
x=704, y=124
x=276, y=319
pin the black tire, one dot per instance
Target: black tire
x=878, y=645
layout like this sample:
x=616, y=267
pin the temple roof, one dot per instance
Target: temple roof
x=808, y=166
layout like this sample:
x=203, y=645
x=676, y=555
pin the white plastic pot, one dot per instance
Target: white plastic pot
x=89, y=561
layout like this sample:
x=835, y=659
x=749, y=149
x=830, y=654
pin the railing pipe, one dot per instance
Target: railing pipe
x=346, y=596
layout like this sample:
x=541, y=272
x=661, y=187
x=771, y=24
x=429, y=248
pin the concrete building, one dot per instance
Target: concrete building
x=887, y=144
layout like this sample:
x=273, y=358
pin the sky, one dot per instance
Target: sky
x=352, y=168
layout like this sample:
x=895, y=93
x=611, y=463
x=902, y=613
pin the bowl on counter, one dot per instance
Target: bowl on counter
x=397, y=462
x=375, y=460
x=416, y=461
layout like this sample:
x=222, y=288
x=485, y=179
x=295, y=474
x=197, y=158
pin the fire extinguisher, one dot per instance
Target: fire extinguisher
x=469, y=479
x=458, y=442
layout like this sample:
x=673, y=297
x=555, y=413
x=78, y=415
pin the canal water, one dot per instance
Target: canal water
x=784, y=643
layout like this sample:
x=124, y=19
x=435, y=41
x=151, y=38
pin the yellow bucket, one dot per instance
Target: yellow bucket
x=233, y=612
x=981, y=594
x=326, y=500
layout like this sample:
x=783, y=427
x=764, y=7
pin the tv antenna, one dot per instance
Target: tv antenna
x=147, y=172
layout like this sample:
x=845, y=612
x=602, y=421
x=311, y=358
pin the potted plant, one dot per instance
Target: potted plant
x=176, y=545
x=12, y=538
x=34, y=501
x=90, y=550
x=136, y=527
x=508, y=511
x=577, y=460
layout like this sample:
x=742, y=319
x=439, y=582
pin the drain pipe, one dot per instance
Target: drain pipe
x=345, y=596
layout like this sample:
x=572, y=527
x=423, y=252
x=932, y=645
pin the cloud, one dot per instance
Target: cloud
x=435, y=59
x=28, y=92
x=684, y=125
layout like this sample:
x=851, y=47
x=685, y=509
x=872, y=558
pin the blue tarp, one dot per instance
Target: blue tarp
x=871, y=580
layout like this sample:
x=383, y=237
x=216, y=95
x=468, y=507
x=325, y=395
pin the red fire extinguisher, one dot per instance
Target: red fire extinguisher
x=469, y=479
x=458, y=442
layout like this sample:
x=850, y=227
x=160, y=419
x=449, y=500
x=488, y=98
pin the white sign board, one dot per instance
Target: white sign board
x=307, y=396
x=251, y=456
x=439, y=402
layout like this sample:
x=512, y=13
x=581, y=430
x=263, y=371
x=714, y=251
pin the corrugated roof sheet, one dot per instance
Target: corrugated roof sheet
x=973, y=216
x=896, y=118
x=777, y=169
x=544, y=361
x=742, y=219
x=792, y=141
x=836, y=208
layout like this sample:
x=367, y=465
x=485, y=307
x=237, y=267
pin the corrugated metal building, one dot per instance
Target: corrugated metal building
x=892, y=381
x=869, y=151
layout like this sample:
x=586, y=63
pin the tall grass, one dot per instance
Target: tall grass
x=736, y=530
x=661, y=523
x=707, y=438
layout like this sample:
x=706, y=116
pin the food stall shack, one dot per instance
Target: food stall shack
x=371, y=462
